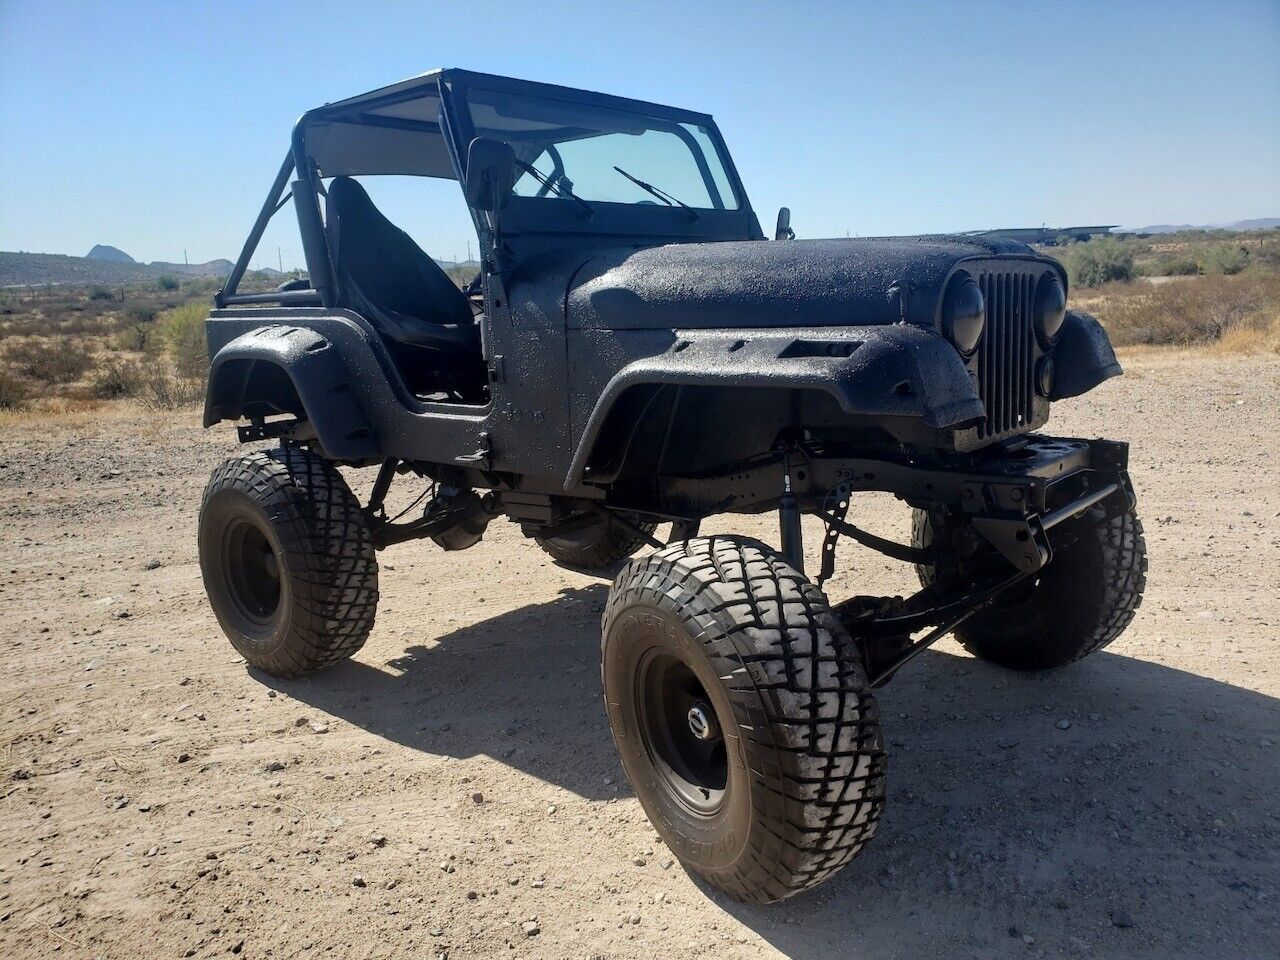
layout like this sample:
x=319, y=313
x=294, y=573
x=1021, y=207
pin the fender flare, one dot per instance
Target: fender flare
x=893, y=371
x=319, y=379
x=1083, y=357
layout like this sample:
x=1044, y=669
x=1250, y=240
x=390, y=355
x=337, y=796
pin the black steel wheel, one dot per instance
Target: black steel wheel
x=288, y=564
x=598, y=547
x=1077, y=604
x=681, y=732
x=743, y=717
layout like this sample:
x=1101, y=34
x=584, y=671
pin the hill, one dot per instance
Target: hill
x=32, y=269
x=102, y=251
x=1260, y=223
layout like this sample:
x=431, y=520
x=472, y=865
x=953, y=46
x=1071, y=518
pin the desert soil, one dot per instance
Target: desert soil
x=454, y=791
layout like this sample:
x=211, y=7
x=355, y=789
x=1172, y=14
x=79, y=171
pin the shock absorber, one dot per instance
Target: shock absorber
x=789, y=519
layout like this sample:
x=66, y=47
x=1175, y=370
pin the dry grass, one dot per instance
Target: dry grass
x=73, y=412
x=1237, y=313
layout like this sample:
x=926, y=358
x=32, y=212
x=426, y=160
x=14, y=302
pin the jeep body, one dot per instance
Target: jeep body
x=633, y=352
x=636, y=340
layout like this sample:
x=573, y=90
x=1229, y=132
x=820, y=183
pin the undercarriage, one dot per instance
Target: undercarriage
x=1008, y=509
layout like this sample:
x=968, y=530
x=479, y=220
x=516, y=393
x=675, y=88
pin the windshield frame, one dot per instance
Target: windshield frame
x=557, y=215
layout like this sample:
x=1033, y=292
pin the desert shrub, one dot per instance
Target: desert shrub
x=1266, y=257
x=14, y=391
x=1175, y=266
x=117, y=377
x=97, y=292
x=141, y=313
x=132, y=336
x=1226, y=259
x=180, y=332
x=166, y=282
x=162, y=390
x=1193, y=311
x=200, y=286
x=1100, y=261
x=50, y=360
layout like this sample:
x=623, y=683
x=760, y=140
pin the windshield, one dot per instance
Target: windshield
x=569, y=149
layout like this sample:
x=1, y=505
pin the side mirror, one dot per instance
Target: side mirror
x=783, y=230
x=491, y=171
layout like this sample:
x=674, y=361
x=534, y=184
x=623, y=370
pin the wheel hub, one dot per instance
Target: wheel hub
x=702, y=722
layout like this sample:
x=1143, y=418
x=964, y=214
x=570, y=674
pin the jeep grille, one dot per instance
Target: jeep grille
x=1006, y=353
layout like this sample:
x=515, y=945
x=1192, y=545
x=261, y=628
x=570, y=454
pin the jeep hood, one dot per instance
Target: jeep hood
x=755, y=283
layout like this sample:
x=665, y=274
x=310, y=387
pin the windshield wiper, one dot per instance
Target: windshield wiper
x=555, y=185
x=662, y=195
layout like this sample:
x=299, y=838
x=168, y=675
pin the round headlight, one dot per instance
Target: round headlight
x=1050, y=309
x=964, y=314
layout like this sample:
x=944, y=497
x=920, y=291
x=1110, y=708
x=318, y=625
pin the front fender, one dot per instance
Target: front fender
x=296, y=370
x=894, y=371
x=1082, y=358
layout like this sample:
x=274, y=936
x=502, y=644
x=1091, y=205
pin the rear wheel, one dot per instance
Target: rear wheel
x=1077, y=604
x=288, y=564
x=599, y=546
x=743, y=716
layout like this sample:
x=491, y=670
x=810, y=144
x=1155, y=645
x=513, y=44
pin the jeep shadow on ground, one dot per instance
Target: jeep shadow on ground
x=1148, y=826
x=522, y=687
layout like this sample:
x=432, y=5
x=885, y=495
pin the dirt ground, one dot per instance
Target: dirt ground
x=159, y=799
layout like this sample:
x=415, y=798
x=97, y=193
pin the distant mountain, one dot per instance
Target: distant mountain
x=1261, y=223
x=212, y=268
x=37, y=269
x=108, y=254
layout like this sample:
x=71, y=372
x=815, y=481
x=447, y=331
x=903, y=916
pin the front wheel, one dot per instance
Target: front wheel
x=287, y=559
x=1076, y=605
x=743, y=716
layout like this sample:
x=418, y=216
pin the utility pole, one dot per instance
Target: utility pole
x=185, y=261
x=280, y=259
x=468, y=251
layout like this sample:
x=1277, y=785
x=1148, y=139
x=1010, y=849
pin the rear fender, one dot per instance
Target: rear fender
x=294, y=370
x=884, y=372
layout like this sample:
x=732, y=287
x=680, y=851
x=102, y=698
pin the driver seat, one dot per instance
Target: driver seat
x=387, y=278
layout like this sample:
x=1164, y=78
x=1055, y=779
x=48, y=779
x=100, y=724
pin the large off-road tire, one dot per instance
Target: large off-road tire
x=743, y=716
x=597, y=547
x=1081, y=601
x=288, y=564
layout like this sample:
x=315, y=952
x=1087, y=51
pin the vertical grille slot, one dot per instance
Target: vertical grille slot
x=1005, y=353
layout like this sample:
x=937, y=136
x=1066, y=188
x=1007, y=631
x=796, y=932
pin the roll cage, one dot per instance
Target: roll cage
x=423, y=127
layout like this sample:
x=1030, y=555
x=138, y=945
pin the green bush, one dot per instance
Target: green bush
x=50, y=360
x=180, y=333
x=97, y=292
x=13, y=390
x=1225, y=259
x=134, y=336
x=1171, y=267
x=166, y=282
x=1097, y=262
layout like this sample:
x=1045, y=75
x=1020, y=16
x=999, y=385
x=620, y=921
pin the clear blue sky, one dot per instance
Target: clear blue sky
x=158, y=126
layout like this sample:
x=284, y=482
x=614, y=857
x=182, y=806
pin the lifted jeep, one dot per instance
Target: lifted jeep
x=635, y=353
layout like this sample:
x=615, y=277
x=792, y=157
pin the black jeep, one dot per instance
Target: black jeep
x=634, y=353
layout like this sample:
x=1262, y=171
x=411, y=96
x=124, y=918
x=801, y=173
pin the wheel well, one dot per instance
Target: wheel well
x=252, y=388
x=657, y=428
